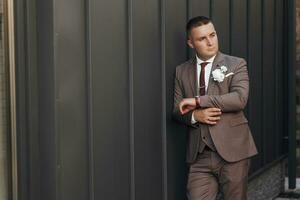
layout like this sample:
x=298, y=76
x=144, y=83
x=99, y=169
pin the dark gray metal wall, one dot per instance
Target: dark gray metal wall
x=95, y=88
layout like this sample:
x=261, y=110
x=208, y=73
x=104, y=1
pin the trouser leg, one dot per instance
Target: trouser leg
x=233, y=180
x=202, y=183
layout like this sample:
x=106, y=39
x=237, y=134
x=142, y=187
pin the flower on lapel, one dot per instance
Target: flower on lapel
x=223, y=69
x=219, y=74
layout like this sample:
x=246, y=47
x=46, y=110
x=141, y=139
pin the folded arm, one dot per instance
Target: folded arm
x=237, y=97
x=178, y=96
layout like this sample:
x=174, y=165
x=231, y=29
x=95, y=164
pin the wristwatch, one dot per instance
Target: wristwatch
x=197, y=99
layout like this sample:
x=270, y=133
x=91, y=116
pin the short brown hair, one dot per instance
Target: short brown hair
x=195, y=22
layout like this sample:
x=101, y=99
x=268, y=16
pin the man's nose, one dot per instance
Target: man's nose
x=209, y=42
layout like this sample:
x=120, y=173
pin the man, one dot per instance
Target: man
x=210, y=93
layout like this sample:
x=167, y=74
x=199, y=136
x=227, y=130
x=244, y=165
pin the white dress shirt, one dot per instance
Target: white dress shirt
x=207, y=75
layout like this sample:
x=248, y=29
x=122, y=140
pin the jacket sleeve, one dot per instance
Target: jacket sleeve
x=178, y=96
x=236, y=99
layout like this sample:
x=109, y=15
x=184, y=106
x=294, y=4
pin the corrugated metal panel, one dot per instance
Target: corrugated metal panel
x=106, y=87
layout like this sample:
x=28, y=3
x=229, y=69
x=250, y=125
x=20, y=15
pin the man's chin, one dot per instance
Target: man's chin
x=212, y=52
x=210, y=55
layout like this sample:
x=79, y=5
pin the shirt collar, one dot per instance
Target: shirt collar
x=199, y=61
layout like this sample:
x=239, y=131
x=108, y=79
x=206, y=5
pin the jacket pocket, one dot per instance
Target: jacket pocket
x=238, y=120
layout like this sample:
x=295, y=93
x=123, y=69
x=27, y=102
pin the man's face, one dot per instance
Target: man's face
x=204, y=40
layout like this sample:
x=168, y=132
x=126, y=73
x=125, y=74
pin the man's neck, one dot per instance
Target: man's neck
x=211, y=59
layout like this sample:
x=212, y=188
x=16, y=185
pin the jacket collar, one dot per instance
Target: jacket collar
x=192, y=73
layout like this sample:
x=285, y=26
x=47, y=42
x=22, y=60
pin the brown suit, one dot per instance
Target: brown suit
x=231, y=135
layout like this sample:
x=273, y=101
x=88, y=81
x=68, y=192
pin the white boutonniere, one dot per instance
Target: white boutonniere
x=219, y=74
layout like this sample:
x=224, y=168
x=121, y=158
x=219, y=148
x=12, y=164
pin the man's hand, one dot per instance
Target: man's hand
x=187, y=105
x=208, y=116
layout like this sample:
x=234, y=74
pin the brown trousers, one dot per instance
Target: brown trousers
x=211, y=173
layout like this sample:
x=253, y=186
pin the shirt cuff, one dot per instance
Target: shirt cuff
x=193, y=121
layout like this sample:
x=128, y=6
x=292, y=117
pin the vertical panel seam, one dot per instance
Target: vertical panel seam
x=89, y=100
x=247, y=53
x=291, y=57
x=262, y=77
x=275, y=71
x=247, y=30
x=211, y=9
x=230, y=25
x=56, y=101
x=29, y=12
x=189, y=10
x=131, y=100
x=188, y=16
x=13, y=57
x=163, y=75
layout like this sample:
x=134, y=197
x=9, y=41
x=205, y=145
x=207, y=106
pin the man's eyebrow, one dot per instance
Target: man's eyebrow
x=201, y=37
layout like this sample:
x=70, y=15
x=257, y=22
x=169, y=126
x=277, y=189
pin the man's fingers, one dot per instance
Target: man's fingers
x=180, y=107
x=214, y=118
x=210, y=122
x=210, y=113
x=186, y=108
x=182, y=104
x=213, y=109
x=213, y=114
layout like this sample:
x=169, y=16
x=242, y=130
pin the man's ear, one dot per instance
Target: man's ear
x=189, y=42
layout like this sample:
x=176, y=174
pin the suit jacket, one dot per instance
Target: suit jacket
x=231, y=135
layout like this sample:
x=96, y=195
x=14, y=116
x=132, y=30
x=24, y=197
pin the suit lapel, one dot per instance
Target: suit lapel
x=218, y=61
x=192, y=76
